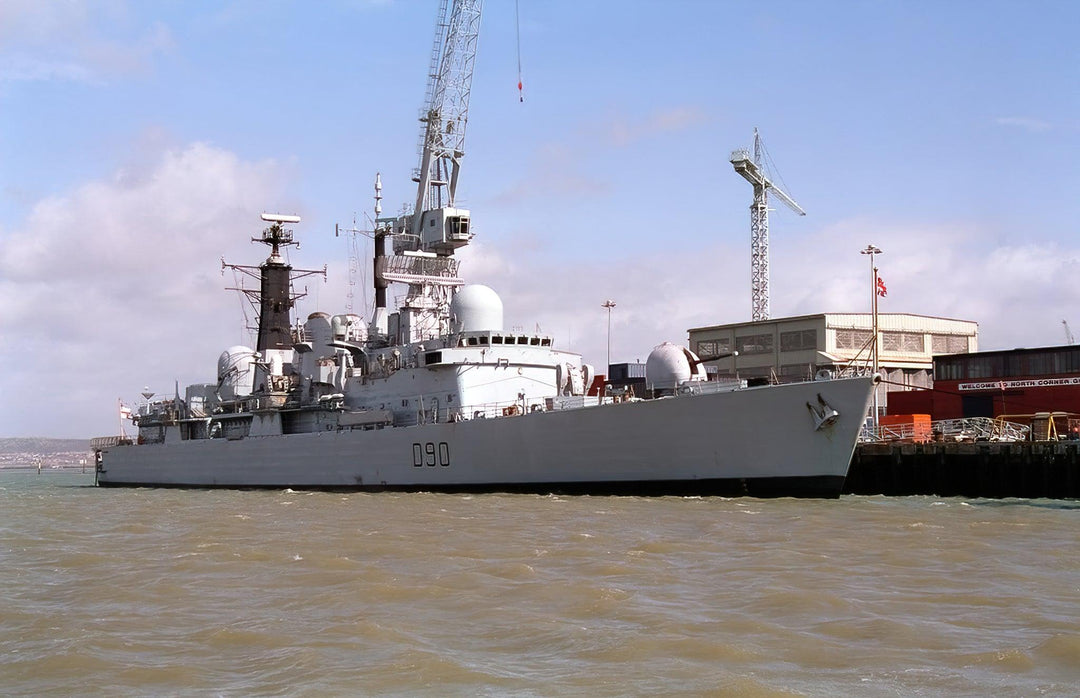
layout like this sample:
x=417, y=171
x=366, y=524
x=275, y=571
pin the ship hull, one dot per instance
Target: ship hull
x=760, y=441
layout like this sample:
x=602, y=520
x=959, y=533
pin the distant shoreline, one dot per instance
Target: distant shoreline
x=65, y=466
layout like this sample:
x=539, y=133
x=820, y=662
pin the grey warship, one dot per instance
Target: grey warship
x=439, y=396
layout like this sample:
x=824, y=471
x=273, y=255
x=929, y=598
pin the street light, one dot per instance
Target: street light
x=609, y=304
x=873, y=250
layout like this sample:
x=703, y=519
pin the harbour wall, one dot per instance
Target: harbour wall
x=1029, y=469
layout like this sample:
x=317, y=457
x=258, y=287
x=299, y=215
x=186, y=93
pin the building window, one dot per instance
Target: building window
x=903, y=342
x=754, y=344
x=1069, y=361
x=798, y=340
x=948, y=344
x=713, y=347
x=853, y=339
x=984, y=367
x=1040, y=364
x=948, y=370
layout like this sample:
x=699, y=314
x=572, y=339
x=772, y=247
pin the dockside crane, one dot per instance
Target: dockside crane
x=446, y=110
x=424, y=239
x=752, y=170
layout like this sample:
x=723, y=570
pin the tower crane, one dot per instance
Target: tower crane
x=752, y=171
x=1068, y=333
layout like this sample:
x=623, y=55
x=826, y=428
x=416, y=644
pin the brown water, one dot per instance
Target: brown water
x=152, y=592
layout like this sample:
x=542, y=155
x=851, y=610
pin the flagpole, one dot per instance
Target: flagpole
x=872, y=250
x=875, y=346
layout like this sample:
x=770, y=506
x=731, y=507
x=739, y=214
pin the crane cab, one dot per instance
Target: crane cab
x=443, y=230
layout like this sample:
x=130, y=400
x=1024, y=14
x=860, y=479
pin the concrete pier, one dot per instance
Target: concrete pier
x=981, y=469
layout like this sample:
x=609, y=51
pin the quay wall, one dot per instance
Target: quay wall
x=1030, y=469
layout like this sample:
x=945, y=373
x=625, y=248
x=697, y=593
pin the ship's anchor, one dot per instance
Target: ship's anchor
x=823, y=414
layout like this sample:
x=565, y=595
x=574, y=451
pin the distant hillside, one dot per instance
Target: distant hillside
x=43, y=446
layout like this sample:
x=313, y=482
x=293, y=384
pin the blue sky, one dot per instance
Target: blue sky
x=139, y=141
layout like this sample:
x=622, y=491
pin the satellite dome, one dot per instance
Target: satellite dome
x=476, y=308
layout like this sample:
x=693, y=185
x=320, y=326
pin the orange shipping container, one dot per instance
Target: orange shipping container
x=920, y=430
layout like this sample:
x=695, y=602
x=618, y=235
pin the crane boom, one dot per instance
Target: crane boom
x=424, y=239
x=750, y=168
x=446, y=111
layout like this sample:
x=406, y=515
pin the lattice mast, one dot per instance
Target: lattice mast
x=752, y=170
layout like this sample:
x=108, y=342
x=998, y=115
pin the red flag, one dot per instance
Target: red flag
x=881, y=288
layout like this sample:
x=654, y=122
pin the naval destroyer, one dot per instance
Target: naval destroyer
x=438, y=395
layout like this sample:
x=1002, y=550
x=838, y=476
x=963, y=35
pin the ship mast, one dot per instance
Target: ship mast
x=274, y=299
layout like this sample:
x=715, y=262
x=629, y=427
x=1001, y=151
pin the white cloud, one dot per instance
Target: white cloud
x=558, y=168
x=622, y=132
x=75, y=41
x=1025, y=122
x=117, y=284
x=1018, y=293
x=556, y=173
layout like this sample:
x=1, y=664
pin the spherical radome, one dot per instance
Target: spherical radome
x=476, y=308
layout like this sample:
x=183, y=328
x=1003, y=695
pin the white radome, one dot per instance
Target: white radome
x=476, y=308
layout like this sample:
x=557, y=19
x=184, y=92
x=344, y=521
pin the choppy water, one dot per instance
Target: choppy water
x=151, y=592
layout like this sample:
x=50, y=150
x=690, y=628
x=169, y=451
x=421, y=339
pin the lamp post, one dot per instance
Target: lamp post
x=873, y=250
x=609, y=304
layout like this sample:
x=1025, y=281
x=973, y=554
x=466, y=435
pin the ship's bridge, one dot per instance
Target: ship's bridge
x=485, y=338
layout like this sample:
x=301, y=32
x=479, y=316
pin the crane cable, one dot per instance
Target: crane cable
x=517, y=23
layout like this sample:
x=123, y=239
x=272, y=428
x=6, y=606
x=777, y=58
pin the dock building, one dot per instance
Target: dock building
x=798, y=348
x=996, y=383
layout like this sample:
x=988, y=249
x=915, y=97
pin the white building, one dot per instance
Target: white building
x=796, y=348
